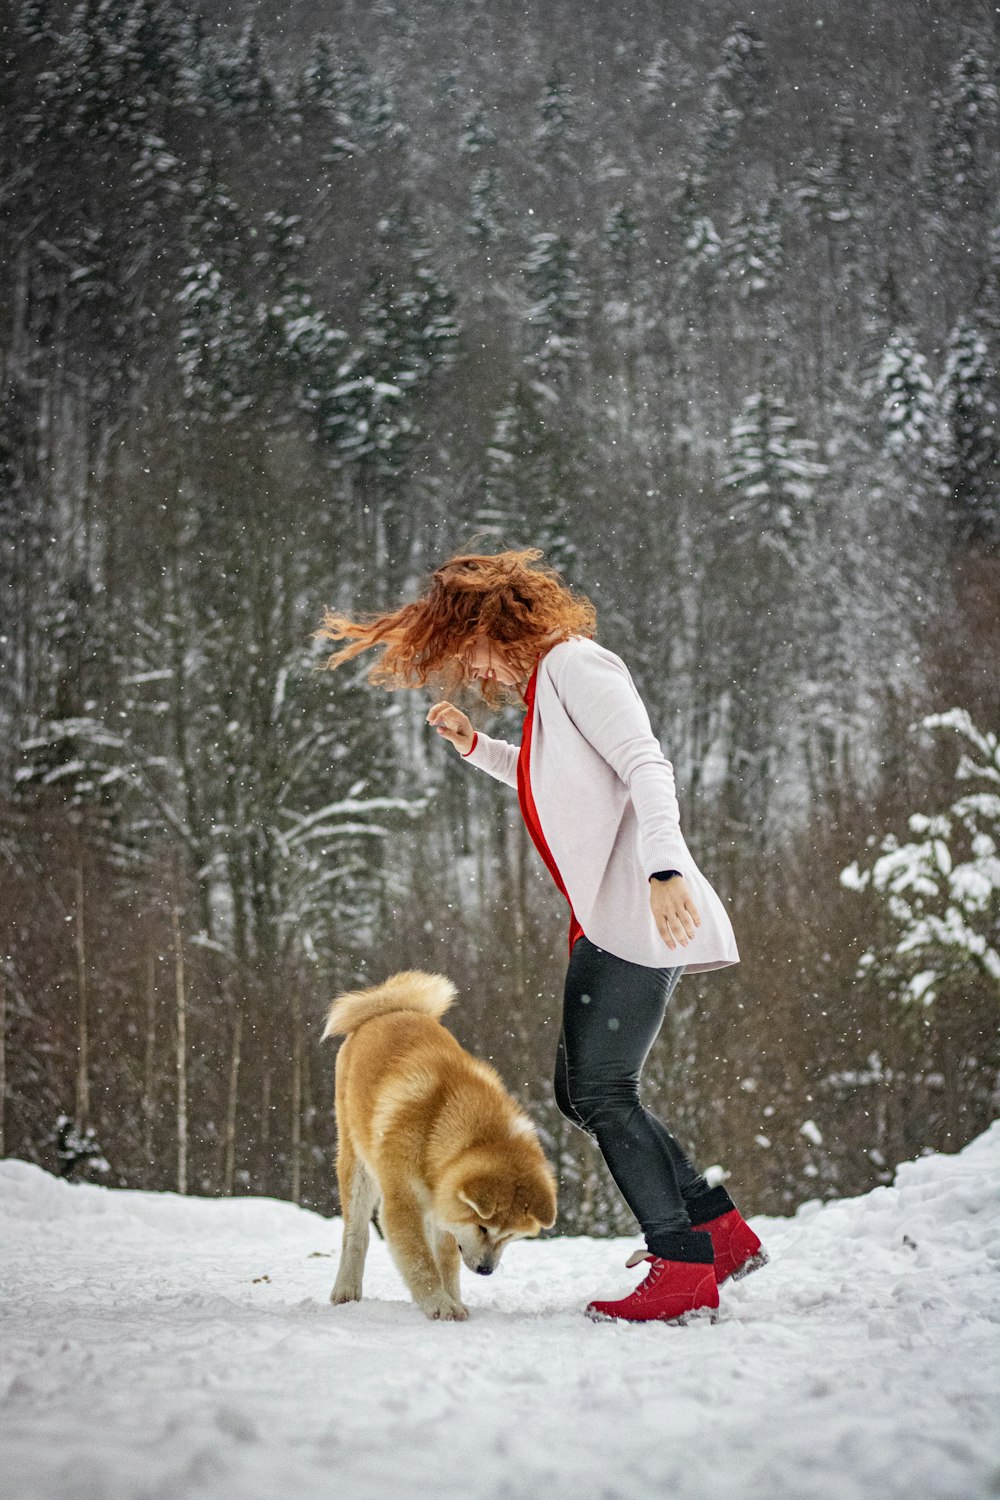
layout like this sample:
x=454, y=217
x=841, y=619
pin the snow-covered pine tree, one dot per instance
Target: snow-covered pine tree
x=772, y=473
x=344, y=105
x=751, y=252
x=423, y=308
x=503, y=516
x=729, y=94
x=557, y=303
x=361, y=415
x=295, y=341
x=733, y=88
x=966, y=107
x=484, y=220
x=807, y=189
x=366, y=119
x=702, y=251
x=741, y=67
x=941, y=891
x=620, y=238
x=987, y=301
x=155, y=41
x=320, y=81
x=625, y=287
x=841, y=188
x=825, y=188
x=477, y=132
x=908, y=405
x=240, y=81
x=768, y=532
x=370, y=416
x=196, y=59
x=628, y=300
x=968, y=395
x=215, y=341
x=527, y=479
x=664, y=74
x=556, y=130
x=83, y=92
x=34, y=20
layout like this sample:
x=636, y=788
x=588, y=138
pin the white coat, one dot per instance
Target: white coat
x=605, y=798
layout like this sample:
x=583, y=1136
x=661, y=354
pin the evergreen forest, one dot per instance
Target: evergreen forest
x=296, y=301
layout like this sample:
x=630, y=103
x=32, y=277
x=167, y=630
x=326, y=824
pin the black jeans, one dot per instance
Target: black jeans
x=612, y=1011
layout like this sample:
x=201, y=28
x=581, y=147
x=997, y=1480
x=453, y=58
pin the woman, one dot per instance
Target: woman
x=598, y=798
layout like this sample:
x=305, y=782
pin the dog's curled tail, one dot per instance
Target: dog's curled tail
x=431, y=994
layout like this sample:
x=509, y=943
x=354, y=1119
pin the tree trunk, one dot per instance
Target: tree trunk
x=234, y=1079
x=182, y=1120
x=296, y=1095
x=3, y=1057
x=308, y=1121
x=150, y=1063
x=82, y=1064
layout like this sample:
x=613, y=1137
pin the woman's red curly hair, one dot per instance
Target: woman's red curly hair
x=506, y=597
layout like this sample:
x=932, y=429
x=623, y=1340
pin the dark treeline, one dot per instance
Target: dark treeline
x=708, y=311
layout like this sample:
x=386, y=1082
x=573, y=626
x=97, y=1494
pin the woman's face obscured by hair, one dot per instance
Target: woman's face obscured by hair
x=486, y=660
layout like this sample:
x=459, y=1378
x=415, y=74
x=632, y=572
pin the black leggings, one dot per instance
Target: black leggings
x=612, y=1011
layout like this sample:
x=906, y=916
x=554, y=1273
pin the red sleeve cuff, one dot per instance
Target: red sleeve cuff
x=475, y=738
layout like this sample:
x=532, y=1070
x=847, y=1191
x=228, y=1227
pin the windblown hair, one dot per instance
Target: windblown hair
x=508, y=598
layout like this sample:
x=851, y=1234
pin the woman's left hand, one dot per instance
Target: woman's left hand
x=674, y=911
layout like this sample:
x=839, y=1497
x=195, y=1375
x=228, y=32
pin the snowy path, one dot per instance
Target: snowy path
x=141, y=1358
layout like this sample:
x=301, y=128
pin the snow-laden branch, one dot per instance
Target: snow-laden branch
x=942, y=889
x=350, y=807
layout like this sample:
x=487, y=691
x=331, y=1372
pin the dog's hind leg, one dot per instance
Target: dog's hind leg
x=359, y=1194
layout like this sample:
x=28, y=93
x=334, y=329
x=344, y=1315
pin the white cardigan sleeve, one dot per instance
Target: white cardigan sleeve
x=600, y=697
x=495, y=756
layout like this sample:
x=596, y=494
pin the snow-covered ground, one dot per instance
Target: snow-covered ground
x=165, y=1348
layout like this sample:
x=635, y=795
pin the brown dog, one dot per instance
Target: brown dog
x=431, y=1132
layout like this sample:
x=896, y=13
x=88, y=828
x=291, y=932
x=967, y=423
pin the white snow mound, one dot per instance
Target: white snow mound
x=162, y=1347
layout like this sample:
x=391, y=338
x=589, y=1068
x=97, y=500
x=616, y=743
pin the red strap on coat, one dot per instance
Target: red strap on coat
x=530, y=813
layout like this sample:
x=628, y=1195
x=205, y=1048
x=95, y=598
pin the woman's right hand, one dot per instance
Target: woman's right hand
x=453, y=725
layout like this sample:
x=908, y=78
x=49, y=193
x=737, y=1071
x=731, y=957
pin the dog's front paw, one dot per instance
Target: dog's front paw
x=346, y=1290
x=439, y=1305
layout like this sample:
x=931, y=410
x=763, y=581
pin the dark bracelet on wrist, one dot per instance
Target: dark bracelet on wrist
x=664, y=874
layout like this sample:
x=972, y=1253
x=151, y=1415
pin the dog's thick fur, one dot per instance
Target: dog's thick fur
x=430, y=1131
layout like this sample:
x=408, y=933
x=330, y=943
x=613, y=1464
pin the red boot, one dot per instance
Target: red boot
x=737, y=1249
x=674, y=1291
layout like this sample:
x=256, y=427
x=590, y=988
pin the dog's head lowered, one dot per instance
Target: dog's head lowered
x=486, y=1201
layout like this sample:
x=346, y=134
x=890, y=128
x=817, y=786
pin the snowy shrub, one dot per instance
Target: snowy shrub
x=941, y=888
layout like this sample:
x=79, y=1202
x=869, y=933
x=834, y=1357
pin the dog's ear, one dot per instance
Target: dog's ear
x=546, y=1212
x=542, y=1205
x=481, y=1197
